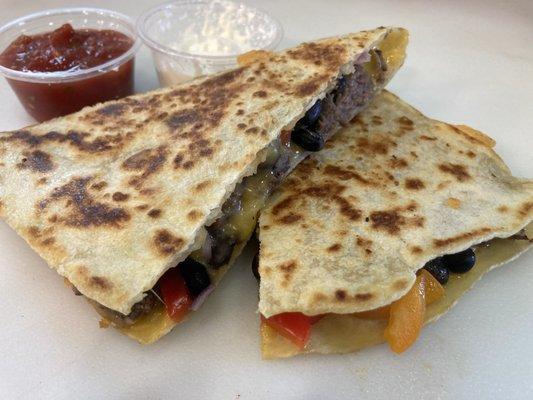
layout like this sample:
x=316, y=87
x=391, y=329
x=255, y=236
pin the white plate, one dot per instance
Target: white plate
x=469, y=62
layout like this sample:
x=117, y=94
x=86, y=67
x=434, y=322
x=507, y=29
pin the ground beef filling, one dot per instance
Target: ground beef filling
x=352, y=94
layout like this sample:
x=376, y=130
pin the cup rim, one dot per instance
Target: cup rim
x=65, y=76
x=154, y=45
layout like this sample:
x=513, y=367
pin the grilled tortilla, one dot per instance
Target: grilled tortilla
x=389, y=193
x=116, y=194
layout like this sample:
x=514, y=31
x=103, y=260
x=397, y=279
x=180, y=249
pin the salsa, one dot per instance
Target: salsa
x=60, y=53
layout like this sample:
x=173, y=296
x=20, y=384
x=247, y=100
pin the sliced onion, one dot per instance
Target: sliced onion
x=201, y=297
x=363, y=58
x=207, y=246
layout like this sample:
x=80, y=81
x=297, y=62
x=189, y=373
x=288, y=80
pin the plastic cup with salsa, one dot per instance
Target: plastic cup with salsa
x=59, y=61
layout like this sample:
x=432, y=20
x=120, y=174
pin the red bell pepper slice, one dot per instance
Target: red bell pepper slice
x=175, y=294
x=294, y=326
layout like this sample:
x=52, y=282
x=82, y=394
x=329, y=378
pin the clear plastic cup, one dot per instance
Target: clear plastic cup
x=191, y=38
x=50, y=94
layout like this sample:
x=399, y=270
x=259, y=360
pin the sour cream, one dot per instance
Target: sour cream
x=189, y=39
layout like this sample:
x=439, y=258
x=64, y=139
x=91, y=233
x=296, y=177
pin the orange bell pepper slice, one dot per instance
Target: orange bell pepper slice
x=407, y=317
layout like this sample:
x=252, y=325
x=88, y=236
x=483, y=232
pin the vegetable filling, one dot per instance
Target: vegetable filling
x=405, y=316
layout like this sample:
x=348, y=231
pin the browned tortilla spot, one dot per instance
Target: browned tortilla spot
x=100, y=283
x=290, y=218
x=525, y=209
x=37, y=161
x=166, y=243
x=462, y=237
x=112, y=110
x=334, y=248
x=154, y=213
x=458, y=171
x=416, y=249
x=119, y=196
x=396, y=163
x=414, y=184
x=344, y=174
x=194, y=215
x=81, y=209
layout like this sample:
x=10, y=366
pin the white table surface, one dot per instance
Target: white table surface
x=468, y=62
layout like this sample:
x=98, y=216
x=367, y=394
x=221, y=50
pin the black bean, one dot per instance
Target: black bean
x=195, y=276
x=439, y=271
x=460, y=262
x=307, y=139
x=312, y=114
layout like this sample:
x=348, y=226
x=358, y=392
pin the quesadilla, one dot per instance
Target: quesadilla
x=143, y=203
x=383, y=231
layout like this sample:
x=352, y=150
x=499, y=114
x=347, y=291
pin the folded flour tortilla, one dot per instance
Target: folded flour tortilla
x=347, y=231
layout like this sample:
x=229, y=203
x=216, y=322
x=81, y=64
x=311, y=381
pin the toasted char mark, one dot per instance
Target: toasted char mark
x=405, y=123
x=74, y=138
x=340, y=295
x=377, y=120
x=387, y=220
x=119, y=196
x=290, y=218
x=48, y=241
x=428, y=138
x=458, y=171
x=400, y=284
x=154, y=213
x=344, y=174
x=81, y=209
x=37, y=161
x=318, y=297
x=101, y=283
x=346, y=208
x=416, y=249
x=260, y=93
x=308, y=88
x=414, y=184
x=471, y=154
x=325, y=190
x=166, y=243
x=460, y=238
x=200, y=187
x=378, y=145
x=331, y=56
x=252, y=130
x=99, y=186
x=142, y=207
x=363, y=296
x=283, y=204
x=287, y=268
x=502, y=209
x=194, y=215
x=334, y=247
x=392, y=221
x=112, y=110
x=525, y=209
x=396, y=163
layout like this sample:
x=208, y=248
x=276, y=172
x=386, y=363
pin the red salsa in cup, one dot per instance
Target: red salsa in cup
x=64, y=52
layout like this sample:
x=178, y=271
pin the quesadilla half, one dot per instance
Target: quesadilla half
x=143, y=203
x=383, y=231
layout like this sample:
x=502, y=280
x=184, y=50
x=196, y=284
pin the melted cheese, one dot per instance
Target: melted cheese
x=393, y=51
x=337, y=333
